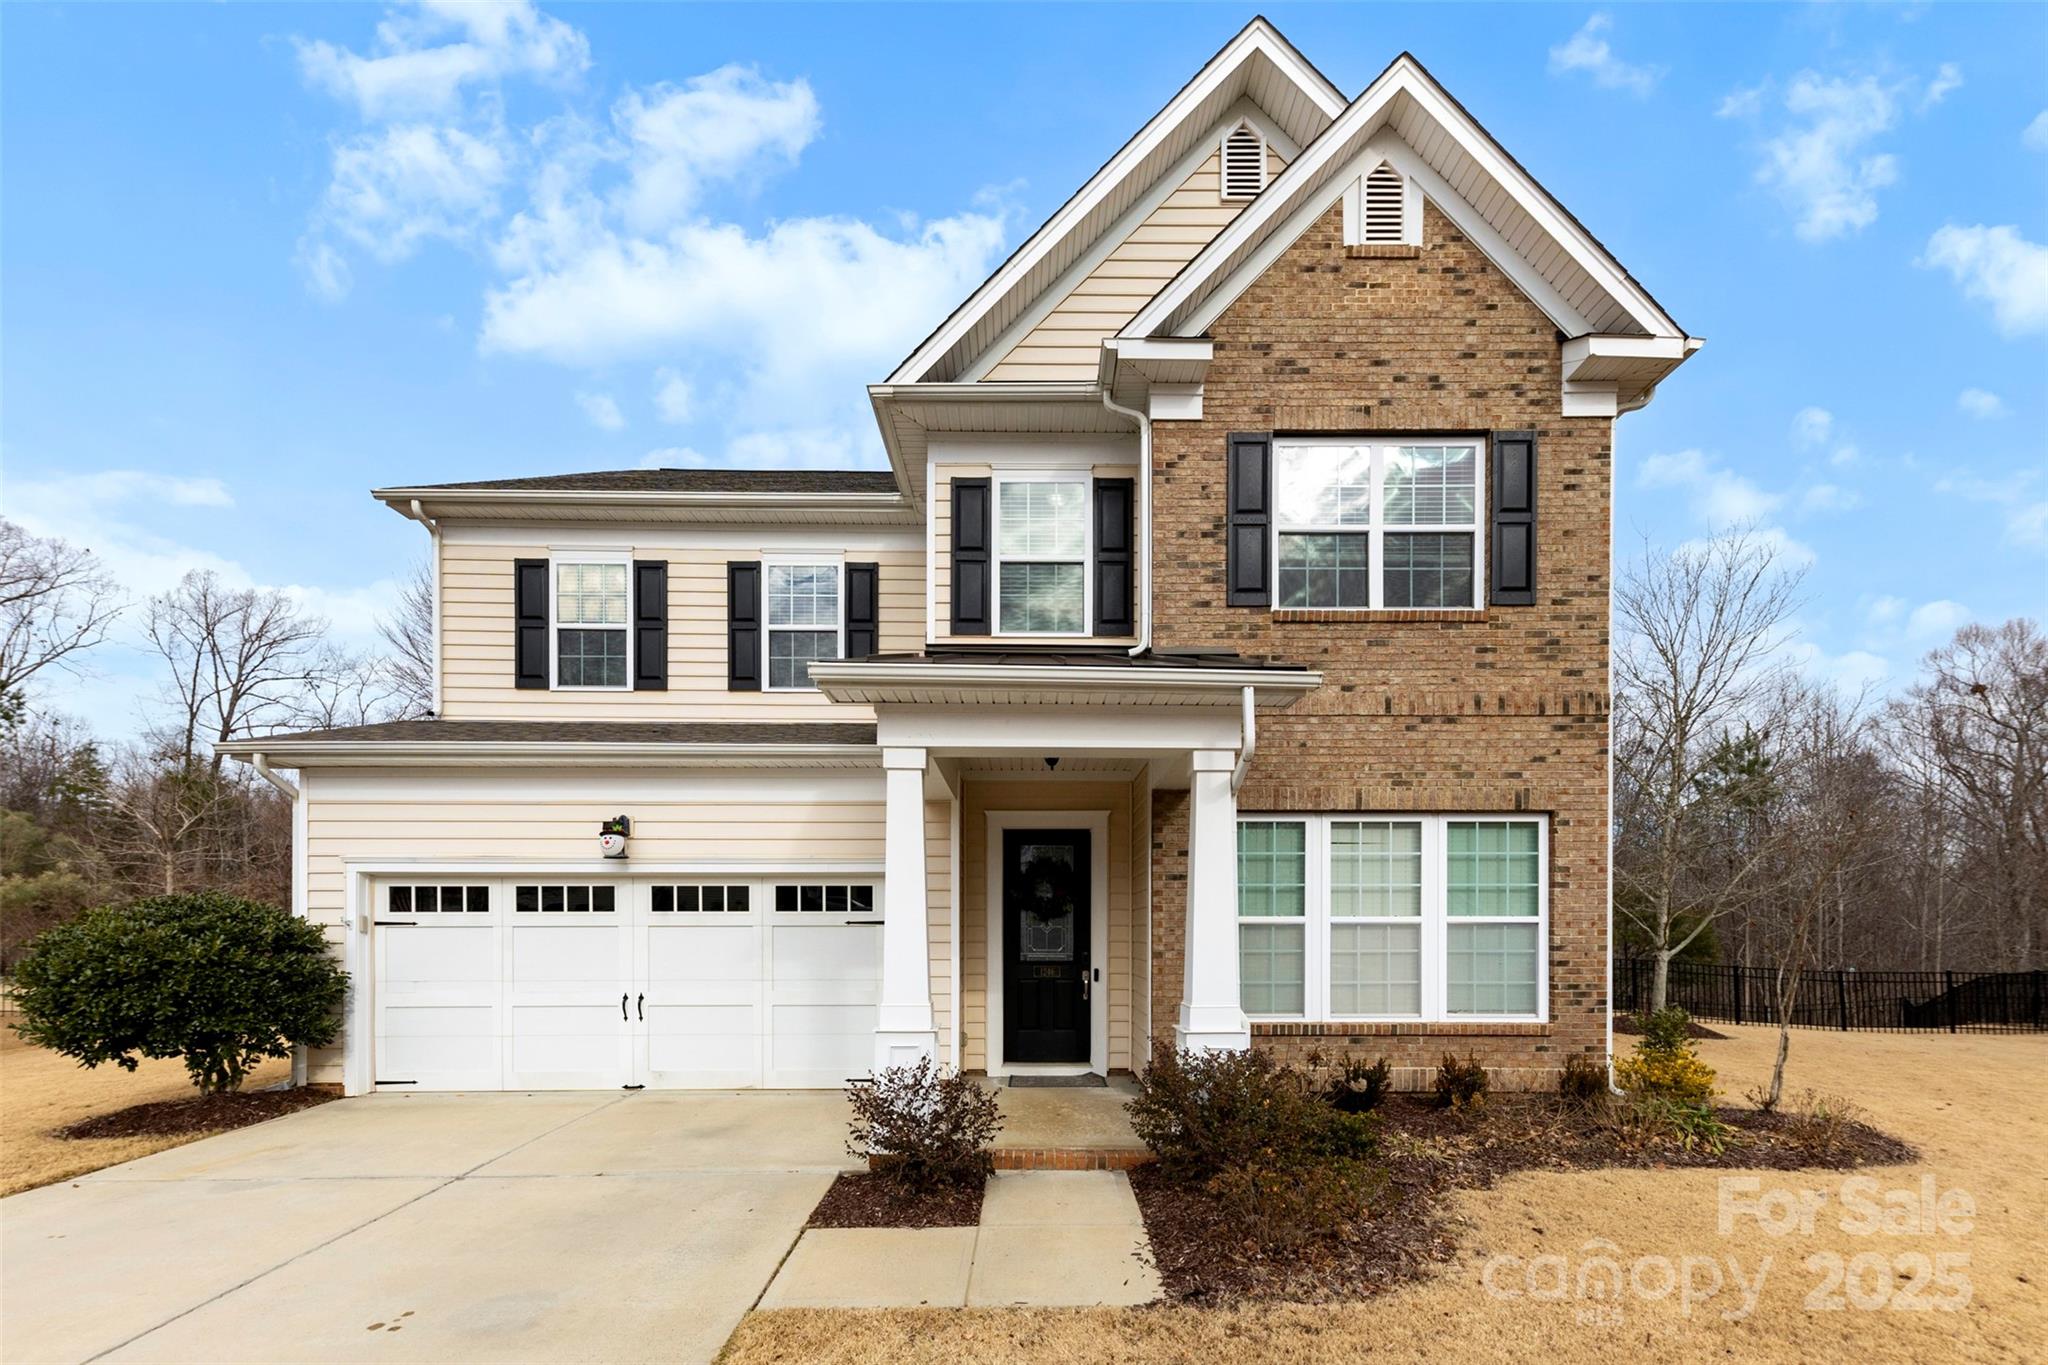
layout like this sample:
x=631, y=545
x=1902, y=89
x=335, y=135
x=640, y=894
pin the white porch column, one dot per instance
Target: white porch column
x=1210, y=1016
x=903, y=1024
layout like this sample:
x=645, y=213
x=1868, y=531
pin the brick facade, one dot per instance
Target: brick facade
x=1500, y=710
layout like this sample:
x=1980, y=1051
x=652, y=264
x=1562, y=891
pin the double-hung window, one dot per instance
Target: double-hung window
x=804, y=621
x=1041, y=546
x=1372, y=524
x=592, y=642
x=1344, y=917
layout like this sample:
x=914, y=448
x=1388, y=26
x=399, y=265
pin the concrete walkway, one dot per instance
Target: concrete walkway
x=427, y=1227
x=1047, y=1239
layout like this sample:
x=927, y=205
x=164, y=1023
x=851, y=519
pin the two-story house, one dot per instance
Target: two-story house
x=1222, y=659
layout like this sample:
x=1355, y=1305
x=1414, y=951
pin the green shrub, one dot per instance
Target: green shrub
x=1583, y=1082
x=1204, y=1113
x=1460, y=1084
x=1690, y=1125
x=1666, y=1062
x=219, y=981
x=1358, y=1088
x=923, y=1126
x=1665, y=1030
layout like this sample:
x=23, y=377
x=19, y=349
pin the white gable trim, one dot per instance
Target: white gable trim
x=1257, y=38
x=1244, y=111
x=1176, y=307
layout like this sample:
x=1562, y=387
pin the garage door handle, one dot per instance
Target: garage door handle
x=640, y=1007
x=622, y=1007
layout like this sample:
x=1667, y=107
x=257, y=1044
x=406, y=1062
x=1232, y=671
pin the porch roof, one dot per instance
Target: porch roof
x=1110, y=677
x=757, y=744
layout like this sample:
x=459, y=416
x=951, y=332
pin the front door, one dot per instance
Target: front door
x=1045, y=945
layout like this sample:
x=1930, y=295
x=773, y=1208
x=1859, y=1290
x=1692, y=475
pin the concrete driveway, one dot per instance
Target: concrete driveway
x=586, y=1226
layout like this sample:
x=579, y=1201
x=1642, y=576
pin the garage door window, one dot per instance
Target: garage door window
x=827, y=898
x=573, y=899
x=439, y=900
x=701, y=900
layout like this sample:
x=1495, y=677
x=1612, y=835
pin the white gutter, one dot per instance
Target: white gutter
x=1144, y=530
x=262, y=767
x=554, y=754
x=1251, y=740
x=419, y=515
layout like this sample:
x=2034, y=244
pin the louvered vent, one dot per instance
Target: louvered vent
x=1244, y=162
x=1384, y=191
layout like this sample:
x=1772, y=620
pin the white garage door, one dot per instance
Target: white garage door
x=550, y=983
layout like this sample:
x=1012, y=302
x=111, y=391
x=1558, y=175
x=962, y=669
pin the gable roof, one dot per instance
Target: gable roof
x=1566, y=269
x=1258, y=64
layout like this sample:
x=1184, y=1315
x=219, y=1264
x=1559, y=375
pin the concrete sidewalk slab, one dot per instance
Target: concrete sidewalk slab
x=694, y=1131
x=560, y=1268
x=91, y=1264
x=1060, y=1199
x=1061, y=1267
x=370, y=1136
x=875, y=1268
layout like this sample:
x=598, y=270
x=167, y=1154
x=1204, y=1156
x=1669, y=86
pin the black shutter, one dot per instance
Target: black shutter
x=1513, y=561
x=1113, y=557
x=530, y=623
x=863, y=610
x=1249, y=555
x=743, y=626
x=650, y=625
x=971, y=556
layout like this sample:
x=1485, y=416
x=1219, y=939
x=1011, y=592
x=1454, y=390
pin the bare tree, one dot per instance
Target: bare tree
x=409, y=630
x=1701, y=630
x=55, y=600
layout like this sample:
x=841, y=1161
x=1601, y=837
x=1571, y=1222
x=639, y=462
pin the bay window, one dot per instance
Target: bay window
x=590, y=634
x=1041, y=546
x=1392, y=917
x=1360, y=525
x=803, y=621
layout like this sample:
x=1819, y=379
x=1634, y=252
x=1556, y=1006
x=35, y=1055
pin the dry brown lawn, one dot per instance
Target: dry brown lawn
x=41, y=1091
x=1974, y=1105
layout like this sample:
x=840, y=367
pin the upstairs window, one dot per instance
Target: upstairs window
x=1042, y=561
x=1244, y=162
x=1368, y=525
x=803, y=622
x=591, y=607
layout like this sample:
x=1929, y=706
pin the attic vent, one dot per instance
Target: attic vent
x=1385, y=189
x=1244, y=162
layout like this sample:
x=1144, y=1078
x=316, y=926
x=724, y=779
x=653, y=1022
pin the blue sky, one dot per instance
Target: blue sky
x=255, y=259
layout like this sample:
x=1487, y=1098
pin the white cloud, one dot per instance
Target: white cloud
x=1844, y=456
x=602, y=410
x=1932, y=619
x=1946, y=82
x=2035, y=136
x=1591, y=53
x=1719, y=497
x=1852, y=673
x=412, y=73
x=811, y=448
x=1980, y=403
x=326, y=270
x=727, y=124
x=673, y=397
x=1995, y=265
x=1883, y=611
x=1818, y=165
x=1743, y=102
x=2026, y=514
x=1811, y=426
x=2027, y=524
x=1829, y=497
x=398, y=187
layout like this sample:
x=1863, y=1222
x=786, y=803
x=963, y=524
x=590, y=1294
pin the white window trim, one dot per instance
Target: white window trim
x=1435, y=919
x=556, y=559
x=1086, y=478
x=1374, y=530
x=803, y=560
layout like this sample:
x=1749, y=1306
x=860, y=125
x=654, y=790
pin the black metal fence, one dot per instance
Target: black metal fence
x=1880, y=1002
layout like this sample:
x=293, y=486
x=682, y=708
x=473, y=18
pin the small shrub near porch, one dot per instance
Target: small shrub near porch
x=923, y=1126
x=218, y=981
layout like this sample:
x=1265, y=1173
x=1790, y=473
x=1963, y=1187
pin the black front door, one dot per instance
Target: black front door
x=1045, y=945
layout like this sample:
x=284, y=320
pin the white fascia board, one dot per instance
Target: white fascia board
x=1256, y=37
x=1226, y=682
x=1365, y=112
x=401, y=499
x=1581, y=349
x=401, y=753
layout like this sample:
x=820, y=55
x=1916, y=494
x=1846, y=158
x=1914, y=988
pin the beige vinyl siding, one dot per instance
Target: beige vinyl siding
x=477, y=632
x=938, y=893
x=770, y=819
x=942, y=539
x=979, y=799
x=1065, y=343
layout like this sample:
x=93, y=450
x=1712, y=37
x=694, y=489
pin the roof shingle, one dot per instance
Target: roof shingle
x=869, y=481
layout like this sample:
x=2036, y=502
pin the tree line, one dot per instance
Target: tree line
x=1760, y=817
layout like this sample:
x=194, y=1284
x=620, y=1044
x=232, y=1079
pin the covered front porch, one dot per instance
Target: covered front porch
x=1035, y=923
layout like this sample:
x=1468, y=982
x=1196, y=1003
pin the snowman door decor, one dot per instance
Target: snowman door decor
x=611, y=836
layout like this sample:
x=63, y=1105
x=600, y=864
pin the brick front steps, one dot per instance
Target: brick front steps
x=1069, y=1158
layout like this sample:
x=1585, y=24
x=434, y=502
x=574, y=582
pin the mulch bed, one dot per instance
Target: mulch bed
x=1429, y=1153
x=862, y=1199
x=200, y=1114
x=1630, y=1026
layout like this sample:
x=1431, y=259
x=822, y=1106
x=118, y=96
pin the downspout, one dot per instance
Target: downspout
x=1251, y=741
x=418, y=514
x=1144, y=644
x=262, y=767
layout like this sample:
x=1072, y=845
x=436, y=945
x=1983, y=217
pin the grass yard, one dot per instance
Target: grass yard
x=41, y=1091
x=1974, y=1105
